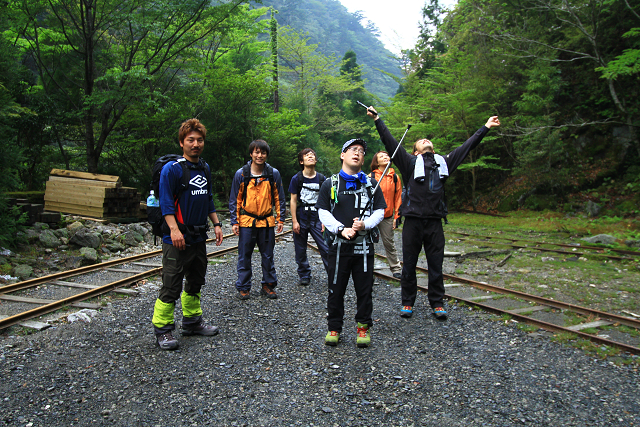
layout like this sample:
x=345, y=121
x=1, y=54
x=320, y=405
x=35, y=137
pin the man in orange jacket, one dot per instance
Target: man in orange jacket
x=257, y=210
x=392, y=191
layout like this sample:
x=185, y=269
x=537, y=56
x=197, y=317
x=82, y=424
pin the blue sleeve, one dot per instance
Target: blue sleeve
x=293, y=185
x=283, y=203
x=233, y=197
x=170, y=177
x=212, y=206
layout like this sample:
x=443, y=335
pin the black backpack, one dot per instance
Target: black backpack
x=154, y=214
x=266, y=173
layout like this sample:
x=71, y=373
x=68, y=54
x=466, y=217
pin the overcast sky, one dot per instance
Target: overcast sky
x=397, y=20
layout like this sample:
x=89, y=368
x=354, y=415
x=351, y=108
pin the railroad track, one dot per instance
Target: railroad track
x=134, y=275
x=535, y=245
x=528, y=305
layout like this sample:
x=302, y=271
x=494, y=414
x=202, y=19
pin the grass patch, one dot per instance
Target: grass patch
x=527, y=328
x=564, y=337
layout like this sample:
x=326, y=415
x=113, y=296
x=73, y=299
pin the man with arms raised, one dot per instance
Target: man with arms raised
x=424, y=174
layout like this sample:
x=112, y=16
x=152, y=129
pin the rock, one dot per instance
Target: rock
x=131, y=238
x=605, y=239
x=632, y=243
x=40, y=226
x=86, y=238
x=140, y=229
x=61, y=233
x=73, y=262
x=115, y=246
x=74, y=227
x=6, y=252
x=84, y=315
x=32, y=235
x=89, y=256
x=548, y=258
x=49, y=239
x=23, y=271
x=592, y=209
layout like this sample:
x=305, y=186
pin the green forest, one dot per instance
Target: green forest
x=102, y=86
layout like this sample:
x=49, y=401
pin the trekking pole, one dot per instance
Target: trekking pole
x=385, y=169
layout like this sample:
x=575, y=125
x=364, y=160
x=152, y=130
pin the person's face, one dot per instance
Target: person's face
x=259, y=157
x=192, y=145
x=383, y=159
x=354, y=156
x=309, y=159
x=424, y=146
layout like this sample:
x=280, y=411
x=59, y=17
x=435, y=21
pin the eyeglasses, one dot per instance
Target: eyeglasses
x=356, y=150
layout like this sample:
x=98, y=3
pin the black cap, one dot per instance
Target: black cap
x=358, y=141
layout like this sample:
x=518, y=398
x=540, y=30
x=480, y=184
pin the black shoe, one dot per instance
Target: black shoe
x=166, y=341
x=244, y=294
x=440, y=313
x=397, y=275
x=201, y=329
x=267, y=290
x=305, y=282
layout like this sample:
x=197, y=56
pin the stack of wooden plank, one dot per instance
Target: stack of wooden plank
x=89, y=194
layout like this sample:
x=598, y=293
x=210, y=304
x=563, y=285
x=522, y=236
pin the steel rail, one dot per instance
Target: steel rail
x=532, y=298
x=53, y=306
x=84, y=270
x=564, y=245
x=560, y=251
x=530, y=320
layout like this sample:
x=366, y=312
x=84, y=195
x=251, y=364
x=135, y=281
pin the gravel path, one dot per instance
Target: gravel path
x=269, y=366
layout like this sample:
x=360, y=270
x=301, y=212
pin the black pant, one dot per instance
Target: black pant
x=350, y=265
x=418, y=232
x=190, y=263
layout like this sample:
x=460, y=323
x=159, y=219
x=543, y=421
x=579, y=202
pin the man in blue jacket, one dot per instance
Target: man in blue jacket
x=424, y=174
x=184, y=252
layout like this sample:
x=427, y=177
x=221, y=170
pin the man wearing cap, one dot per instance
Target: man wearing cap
x=340, y=205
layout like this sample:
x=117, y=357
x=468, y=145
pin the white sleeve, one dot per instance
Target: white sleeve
x=376, y=218
x=329, y=221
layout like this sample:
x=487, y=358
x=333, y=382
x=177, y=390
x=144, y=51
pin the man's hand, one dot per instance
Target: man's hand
x=177, y=239
x=348, y=233
x=358, y=225
x=296, y=227
x=236, y=229
x=493, y=121
x=218, y=232
x=280, y=227
x=371, y=112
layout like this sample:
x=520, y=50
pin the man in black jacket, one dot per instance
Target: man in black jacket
x=424, y=174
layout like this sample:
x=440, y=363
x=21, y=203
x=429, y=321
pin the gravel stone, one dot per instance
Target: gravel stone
x=269, y=366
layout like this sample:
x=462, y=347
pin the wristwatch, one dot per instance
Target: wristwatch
x=340, y=229
x=217, y=224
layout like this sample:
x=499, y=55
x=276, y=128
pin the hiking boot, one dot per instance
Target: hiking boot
x=364, y=336
x=305, y=282
x=440, y=313
x=332, y=338
x=166, y=341
x=244, y=294
x=397, y=275
x=200, y=329
x=267, y=290
x=406, y=311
